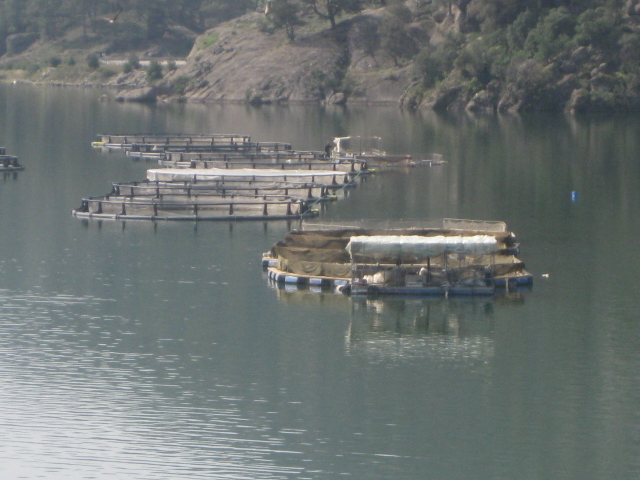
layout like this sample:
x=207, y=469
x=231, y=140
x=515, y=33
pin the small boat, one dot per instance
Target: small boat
x=367, y=149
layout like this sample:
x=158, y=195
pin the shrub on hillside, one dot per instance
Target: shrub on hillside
x=93, y=61
x=180, y=84
x=154, y=71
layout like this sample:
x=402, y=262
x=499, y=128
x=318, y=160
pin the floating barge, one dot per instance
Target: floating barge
x=458, y=257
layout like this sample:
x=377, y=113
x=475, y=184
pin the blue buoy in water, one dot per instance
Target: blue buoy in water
x=574, y=196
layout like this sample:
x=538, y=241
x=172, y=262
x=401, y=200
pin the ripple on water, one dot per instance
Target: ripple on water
x=79, y=399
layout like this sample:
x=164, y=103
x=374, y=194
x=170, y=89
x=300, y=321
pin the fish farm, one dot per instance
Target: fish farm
x=227, y=177
x=445, y=257
x=230, y=177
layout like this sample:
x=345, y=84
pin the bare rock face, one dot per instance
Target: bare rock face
x=445, y=98
x=579, y=101
x=482, y=101
x=140, y=95
x=337, y=99
x=247, y=65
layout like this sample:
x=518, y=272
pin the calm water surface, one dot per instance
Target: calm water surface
x=134, y=351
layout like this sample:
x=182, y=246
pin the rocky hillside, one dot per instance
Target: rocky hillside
x=480, y=55
x=246, y=64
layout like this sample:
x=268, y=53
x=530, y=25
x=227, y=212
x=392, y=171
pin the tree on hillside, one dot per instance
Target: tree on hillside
x=395, y=40
x=330, y=9
x=284, y=14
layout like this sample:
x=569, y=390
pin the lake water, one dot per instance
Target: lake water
x=147, y=352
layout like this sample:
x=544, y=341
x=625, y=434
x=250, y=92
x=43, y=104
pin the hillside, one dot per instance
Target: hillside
x=444, y=55
x=247, y=64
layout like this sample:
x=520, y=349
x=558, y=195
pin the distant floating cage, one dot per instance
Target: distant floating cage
x=150, y=150
x=155, y=146
x=183, y=207
x=9, y=163
x=351, y=166
x=218, y=194
x=196, y=175
x=159, y=190
x=116, y=141
x=275, y=156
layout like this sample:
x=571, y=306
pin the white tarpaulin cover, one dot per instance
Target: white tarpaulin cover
x=418, y=246
x=189, y=174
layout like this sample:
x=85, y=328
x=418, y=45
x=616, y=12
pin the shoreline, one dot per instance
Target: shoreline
x=185, y=99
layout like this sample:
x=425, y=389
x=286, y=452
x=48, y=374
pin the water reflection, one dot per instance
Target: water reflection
x=436, y=328
x=387, y=328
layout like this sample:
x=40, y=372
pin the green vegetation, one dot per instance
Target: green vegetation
x=209, y=40
x=93, y=61
x=533, y=54
x=55, y=61
x=154, y=71
x=180, y=84
x=133, y=63
x=284, y=14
